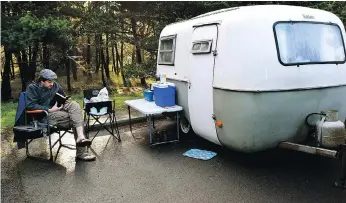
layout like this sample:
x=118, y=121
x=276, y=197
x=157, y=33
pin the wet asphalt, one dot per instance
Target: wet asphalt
x=131, y=171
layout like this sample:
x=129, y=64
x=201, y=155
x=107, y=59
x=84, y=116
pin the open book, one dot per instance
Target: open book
x=61, y=99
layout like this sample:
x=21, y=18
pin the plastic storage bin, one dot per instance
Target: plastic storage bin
x=164, y=94
x=148, y=95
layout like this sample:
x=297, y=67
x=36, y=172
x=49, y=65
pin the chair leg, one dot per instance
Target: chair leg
x=113, y=126
x=50, y=148
x=116, y=127
x=111, y=115
x=34, y=157
x=103, y=125
x=56, y=156
x=112, y=123
x=87, y=127
x=60, y=145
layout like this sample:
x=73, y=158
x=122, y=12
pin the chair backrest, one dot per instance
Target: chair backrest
x=20, y=114
x=22, y=118
x=99, y=105
x=21, y=130
x=93, y=92
x=89, y=93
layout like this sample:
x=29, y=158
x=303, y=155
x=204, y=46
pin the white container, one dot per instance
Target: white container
x=163, y=78
x=332, y=115
x=331, y=134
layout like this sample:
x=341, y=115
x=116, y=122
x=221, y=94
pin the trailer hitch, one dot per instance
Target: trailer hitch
x=341, y=155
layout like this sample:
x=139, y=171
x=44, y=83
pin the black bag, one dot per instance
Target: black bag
x=89, y=93
x=23, y=132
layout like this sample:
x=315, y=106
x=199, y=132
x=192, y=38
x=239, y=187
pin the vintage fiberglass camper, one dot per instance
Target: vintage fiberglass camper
x=257, y=70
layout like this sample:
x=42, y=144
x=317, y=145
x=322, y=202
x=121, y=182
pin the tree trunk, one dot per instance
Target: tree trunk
x=68, y=78
x=74, y=69
x=45, y=56
x=88, y=59
x=133, y=56
x=33, y=65
x=25, y=60
x=121, y=68
x=117, y=59
x=97, y=53
x=135, y=36
x=29, y=55
x=102, y=68
x=25, y=68
x=106, y=62
x=122, y=54
x=138, y=50
x=21, y=69
x=6, y=91
x=114, y=68
x=12, y=72
x=122, y=64
x=40, y=54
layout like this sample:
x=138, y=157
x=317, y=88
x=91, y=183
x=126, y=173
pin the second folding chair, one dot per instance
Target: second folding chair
x=97, y=112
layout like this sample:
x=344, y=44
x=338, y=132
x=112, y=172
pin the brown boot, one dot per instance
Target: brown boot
x=83, y=155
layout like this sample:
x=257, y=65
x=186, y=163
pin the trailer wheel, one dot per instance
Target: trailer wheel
x=185, y=126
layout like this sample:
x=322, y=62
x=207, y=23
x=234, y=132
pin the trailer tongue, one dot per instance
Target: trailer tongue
x=328, y=136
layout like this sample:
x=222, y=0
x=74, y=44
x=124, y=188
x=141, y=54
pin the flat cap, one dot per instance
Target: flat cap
x=48, y=74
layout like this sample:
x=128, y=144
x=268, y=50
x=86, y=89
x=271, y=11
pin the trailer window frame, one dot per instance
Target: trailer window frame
x=200, y=51
x=166, y=38
x=308, y=63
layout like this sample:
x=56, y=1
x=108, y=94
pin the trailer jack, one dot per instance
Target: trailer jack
x=339, y=154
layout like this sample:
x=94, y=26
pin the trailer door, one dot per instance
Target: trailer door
x=200, y=74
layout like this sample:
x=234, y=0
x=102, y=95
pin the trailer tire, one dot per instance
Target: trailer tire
x=185, y=126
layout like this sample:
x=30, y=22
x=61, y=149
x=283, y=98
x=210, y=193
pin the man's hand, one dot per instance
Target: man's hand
x=55, y=108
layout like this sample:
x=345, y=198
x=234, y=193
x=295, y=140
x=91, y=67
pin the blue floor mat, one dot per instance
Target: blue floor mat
x=200, y=154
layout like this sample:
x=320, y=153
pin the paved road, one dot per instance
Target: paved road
x=131, y=171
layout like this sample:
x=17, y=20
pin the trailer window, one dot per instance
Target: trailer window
x=199, y=47
x=301, y=43
x=167, y=50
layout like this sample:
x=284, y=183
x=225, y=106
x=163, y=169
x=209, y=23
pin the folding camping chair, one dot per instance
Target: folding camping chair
x=30, y=125
x=96, y=110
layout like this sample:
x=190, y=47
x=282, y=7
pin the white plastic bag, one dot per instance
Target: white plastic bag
x=102, y=96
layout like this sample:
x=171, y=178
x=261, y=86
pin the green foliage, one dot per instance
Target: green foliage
x=145, y=69
x=49, y=30
x=22, y=30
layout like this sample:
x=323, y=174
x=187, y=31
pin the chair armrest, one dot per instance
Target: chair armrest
x=36, y=111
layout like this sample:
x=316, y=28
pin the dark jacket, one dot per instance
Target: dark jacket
x=41, y=98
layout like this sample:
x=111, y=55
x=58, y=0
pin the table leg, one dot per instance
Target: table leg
x=150, y=129
x=178, y=125
x=128, y=107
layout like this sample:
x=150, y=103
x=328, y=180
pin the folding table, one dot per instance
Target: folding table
x=150, y=109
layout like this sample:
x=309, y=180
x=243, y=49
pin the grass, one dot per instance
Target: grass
x=8, y=114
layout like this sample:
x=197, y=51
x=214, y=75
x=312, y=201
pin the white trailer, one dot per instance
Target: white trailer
x=247, y=77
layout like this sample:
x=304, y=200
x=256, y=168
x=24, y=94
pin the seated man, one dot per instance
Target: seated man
x=39, y=96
